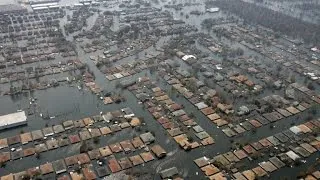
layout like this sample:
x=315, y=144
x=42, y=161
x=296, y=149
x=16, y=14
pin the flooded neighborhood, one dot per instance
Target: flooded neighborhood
x=159, y=89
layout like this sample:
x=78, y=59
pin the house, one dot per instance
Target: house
x=169, y=173
x=180, y=54
x=243, y=110
x=225, y=108
x=158, y=151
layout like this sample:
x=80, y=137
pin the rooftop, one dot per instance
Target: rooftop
x=12, y=120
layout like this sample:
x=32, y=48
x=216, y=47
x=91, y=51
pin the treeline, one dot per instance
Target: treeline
x=272, y=19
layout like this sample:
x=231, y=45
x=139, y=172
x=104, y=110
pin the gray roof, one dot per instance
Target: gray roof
x=59, y=166
x=107, y=117
x=147, y=137
x=167, y=173
x=7, y=8
x=179, y=112
x=127, y=111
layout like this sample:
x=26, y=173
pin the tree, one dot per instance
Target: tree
x=83, y=147
x=38, y=155
x=311, y=86
x=96, y=140
x=26, y=177
x=239, y=51
x=293, y=79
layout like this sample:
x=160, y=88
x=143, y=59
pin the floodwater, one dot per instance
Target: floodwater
x=62, y=2
x=67, y=102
